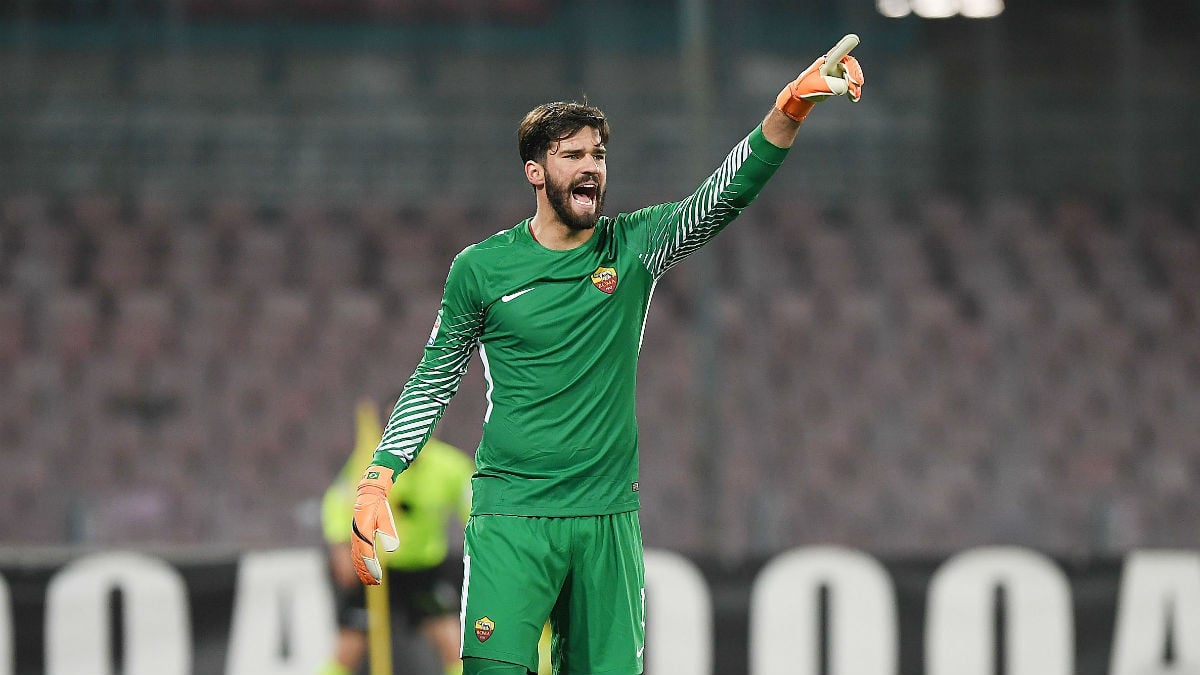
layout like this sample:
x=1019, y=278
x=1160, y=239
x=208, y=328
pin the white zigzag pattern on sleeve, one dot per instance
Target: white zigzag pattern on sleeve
x=429, y=391
x=703, y=213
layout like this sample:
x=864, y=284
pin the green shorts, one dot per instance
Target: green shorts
x=583, y=573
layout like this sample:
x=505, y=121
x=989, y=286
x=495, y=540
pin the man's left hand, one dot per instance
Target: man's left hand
x=372, y=519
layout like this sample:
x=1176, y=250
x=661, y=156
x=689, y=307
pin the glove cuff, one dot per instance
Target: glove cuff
x=791, y=105
x=376, y=479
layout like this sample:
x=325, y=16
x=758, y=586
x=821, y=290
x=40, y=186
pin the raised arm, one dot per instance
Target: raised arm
x=834, y=74
x=674, y=230
x=421, y=404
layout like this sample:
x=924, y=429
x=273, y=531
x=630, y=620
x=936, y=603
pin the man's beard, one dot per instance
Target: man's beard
x=560, y=198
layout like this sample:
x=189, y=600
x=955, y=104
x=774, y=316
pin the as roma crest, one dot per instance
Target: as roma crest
x=605, y=278
x=484, y=628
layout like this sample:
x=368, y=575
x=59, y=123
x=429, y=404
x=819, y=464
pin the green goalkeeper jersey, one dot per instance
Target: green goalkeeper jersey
x=558, y=334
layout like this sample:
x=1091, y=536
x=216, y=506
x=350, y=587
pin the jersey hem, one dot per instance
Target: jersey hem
x=553, y=512
x=502, y=657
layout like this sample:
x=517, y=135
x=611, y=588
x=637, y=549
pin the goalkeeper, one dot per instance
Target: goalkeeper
x=423, y=583
x=556, y=305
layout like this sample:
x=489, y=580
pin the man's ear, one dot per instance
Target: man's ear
x=535, y=174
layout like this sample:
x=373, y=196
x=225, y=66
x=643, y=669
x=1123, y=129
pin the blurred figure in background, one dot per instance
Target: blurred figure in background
x=423, y=582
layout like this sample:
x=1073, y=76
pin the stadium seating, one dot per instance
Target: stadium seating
x=894, y=377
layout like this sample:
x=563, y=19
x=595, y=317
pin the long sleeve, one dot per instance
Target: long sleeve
x=676, y=229
x=438, y=375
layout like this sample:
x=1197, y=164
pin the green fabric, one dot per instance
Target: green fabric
x=585, y=574
x=486, y=667
x=559, y=333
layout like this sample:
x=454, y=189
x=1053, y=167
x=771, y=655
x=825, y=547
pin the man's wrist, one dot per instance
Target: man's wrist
x=390, y=461
x=792, y=105
x=772, y=140
x=377, y=478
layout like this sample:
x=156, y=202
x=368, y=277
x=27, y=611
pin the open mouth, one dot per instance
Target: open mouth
x=585, y=194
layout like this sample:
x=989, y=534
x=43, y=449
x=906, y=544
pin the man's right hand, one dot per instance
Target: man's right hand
x=372, y=518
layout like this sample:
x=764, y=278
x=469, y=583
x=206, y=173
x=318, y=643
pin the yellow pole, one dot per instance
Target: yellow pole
x=379, y=627
x=379, y=618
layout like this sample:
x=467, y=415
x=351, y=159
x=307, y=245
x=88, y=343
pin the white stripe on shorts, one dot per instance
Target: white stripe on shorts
x=462, y=609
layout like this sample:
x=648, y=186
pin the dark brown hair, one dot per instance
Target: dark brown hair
x=552, y=122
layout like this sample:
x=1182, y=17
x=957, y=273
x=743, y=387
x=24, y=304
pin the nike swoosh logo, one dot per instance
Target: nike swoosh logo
x=514, y=296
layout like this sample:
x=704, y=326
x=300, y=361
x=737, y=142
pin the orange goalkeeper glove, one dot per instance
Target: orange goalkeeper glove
x=835, y=74
x=372, y=517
